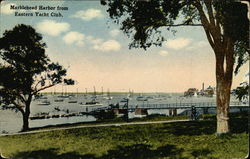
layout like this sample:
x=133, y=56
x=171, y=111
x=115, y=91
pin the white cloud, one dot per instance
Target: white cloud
x=5, y=8
x=200, y=44
x=163, y=53
x=74, y=38
x=178, y=43
x=114, y=32
x=110, y=45
x=92, y=40
x=52, y=27
x=88, y=14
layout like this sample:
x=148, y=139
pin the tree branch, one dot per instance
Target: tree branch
x=43, y=88
x=246, y=48
x=18, y=107
x=211, y=31
x=208, y=4
x=203, y=17
x=21, y=97
x=176, y=25
x=213, y=22
x=218, y=22
x=210, y=40
x=37, y=85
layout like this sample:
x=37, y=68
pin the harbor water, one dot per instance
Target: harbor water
x=55, y=105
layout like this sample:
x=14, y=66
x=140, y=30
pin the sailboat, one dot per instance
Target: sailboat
x=141, y=98
x=94, y=96
x=63, y=95
x=195, y=94
x=108, y=97
x=86, y=93
x=130, y=94
x=73, y=98
x=93, y=102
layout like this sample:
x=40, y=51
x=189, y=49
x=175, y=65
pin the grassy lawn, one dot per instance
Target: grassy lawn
x=194, y=139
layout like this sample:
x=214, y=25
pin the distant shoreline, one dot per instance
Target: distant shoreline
x=100, y=93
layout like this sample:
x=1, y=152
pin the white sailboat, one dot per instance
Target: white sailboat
x=45, y=102
x=195, y=94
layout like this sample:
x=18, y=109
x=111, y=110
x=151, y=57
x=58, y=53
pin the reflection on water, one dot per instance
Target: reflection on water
x=11, y=121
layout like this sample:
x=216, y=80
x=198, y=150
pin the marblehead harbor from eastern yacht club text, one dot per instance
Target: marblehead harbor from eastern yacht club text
x=37, y=7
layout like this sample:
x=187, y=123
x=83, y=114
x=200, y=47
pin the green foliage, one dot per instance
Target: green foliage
x=242, y=54
x=208, y=116
x=242, y=91
x=104, y=115
x=143, y=21
x=233, y=17
x=26, y=69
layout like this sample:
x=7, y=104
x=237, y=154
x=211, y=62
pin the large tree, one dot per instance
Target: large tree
x=26, y=69
x=224, y=22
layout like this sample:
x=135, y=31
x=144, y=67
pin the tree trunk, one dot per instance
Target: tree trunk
x=224, y=76
x=25, y=122
x=26, y=114
x=223, y=47
x=223, y=101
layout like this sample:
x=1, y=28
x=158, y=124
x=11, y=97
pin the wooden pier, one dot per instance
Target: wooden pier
x=185, y=105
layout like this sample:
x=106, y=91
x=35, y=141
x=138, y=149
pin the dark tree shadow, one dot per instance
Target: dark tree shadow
x=190, y=128
x=137, y=151
x=142, y=151
x=201, y=153
x=51, y=154
x=237, y=125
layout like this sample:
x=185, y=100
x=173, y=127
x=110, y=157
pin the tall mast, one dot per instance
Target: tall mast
x=94, y=92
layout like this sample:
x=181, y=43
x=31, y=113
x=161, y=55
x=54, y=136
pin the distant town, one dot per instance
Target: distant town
x=208, y=92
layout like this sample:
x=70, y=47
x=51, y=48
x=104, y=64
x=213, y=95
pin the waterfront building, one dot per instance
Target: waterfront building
x=190, y=92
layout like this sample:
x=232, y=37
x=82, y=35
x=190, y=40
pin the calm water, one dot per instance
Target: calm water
x=11, y=121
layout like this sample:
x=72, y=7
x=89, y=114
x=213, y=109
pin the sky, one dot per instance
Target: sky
x=96, y=53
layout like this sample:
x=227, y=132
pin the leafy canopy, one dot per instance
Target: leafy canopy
x=26, y=69
x=242, y=91
x=144, y=20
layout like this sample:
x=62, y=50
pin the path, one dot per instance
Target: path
x=95, y=126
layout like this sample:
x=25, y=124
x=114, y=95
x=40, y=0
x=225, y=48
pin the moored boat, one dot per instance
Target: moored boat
x=45, y=102
x=92, y=103
x=58, y=100
x=72, y=101
x=141, y=98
